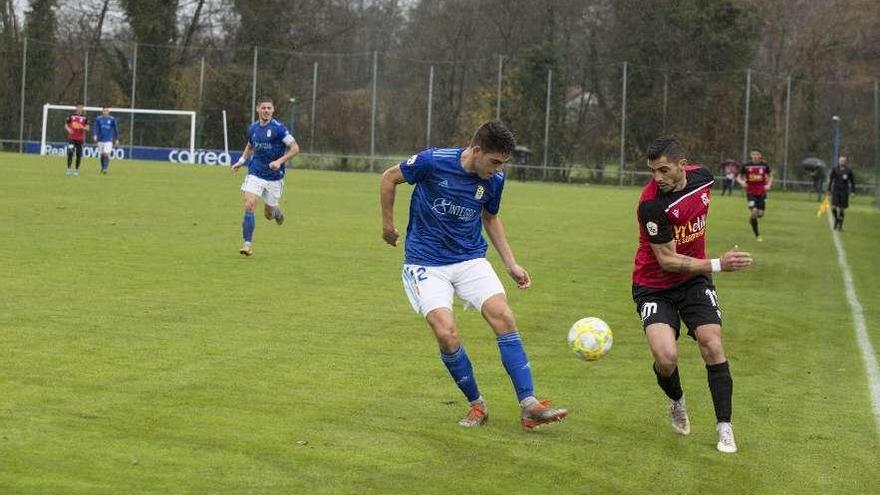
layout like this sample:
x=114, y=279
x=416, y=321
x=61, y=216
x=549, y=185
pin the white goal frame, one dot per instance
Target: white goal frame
x=131, y=111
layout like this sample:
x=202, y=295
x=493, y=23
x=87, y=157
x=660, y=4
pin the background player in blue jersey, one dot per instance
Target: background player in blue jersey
x=269, y=147
x=457, y=193
x=106, y=134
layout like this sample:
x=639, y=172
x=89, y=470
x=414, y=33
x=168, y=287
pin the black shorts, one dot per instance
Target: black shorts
x=758, y=202
x=840, y=199
x=694, y=301
x=75, y=147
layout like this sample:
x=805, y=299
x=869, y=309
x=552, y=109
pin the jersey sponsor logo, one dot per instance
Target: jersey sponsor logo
x=648, y=309
x=691, y=230
x=652, y=228
x=443, y=206
x=480, y=191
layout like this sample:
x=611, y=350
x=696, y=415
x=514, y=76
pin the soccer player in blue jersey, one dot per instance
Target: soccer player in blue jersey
x=457, y=194
x=106, y=134
x=269, y=147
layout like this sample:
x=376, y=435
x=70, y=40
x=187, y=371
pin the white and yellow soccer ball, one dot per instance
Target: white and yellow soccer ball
x=590, y=338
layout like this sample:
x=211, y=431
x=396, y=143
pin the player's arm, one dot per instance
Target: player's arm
x=248, y=151
x=292, y=151
x=391, y=178
x=673, y=262
x=769, y=183
x=495, y=229
x=115, y=131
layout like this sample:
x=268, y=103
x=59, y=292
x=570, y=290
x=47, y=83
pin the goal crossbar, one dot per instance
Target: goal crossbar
x=188, y=113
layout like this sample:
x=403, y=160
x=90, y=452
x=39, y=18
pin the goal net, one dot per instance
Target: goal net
x=142, y=132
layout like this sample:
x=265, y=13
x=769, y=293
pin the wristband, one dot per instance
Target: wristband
x=716, y=264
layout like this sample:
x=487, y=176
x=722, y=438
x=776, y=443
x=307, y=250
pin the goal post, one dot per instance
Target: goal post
x=128, y=111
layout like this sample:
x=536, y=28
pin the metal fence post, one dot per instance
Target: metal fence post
x=373, y=111
x=86, y=79
x=665, y=98
x=876, y=143
x=134, y=69
x=430, y=105
x=745, y=153
x=622, y=128
x=314, y=105
x=254, y=87
x=23, y=81
x=498, y=92
x=785, y=145
x=547, y=122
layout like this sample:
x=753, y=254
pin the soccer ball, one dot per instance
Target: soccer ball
x=590, y=338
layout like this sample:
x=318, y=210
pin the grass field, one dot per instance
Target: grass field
x=139, y=353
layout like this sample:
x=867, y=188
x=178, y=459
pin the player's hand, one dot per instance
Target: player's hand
x=735, y=259
x=766, y=187
x=275, y=165
x=390, y=235
x=237, y=165
x=95, y=138
x=520, y=276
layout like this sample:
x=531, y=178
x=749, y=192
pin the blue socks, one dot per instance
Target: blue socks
x=247, y=226
x=459, y=366
x=105, y=162
x=515, y=361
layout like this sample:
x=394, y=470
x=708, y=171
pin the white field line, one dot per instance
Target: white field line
x=858, y=316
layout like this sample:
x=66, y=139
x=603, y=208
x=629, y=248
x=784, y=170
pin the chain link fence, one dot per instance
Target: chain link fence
x=576, y=120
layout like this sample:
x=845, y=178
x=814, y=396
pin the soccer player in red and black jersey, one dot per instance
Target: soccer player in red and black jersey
x=756, y=178
x=76, y=126
x=672, y=280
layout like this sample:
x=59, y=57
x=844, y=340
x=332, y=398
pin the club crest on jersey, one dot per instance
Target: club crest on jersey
x=268, y=132
x=705, y=199
x=480, y=191
x=652, y=228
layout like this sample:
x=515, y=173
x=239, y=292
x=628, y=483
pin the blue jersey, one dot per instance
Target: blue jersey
x=269, y=142
x=445, y=212
x=105, y=129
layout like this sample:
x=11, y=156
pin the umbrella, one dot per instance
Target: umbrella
x=812, y=163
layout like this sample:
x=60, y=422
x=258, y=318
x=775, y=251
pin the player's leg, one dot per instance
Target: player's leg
x=430, y=293
x=251, y=191
x=661, y=338
x=272, y=199
x=661, y=323
x=753, y=219
x=701, y=313
x=78, y=146
x=841, y=210
x=478, y=285
x=70, y=152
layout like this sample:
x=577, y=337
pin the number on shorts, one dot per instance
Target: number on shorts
x=713, y=297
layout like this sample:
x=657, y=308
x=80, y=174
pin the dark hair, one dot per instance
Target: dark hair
x=667, y=146
x=265, y=99
x=758, y=150
x=494, y=137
